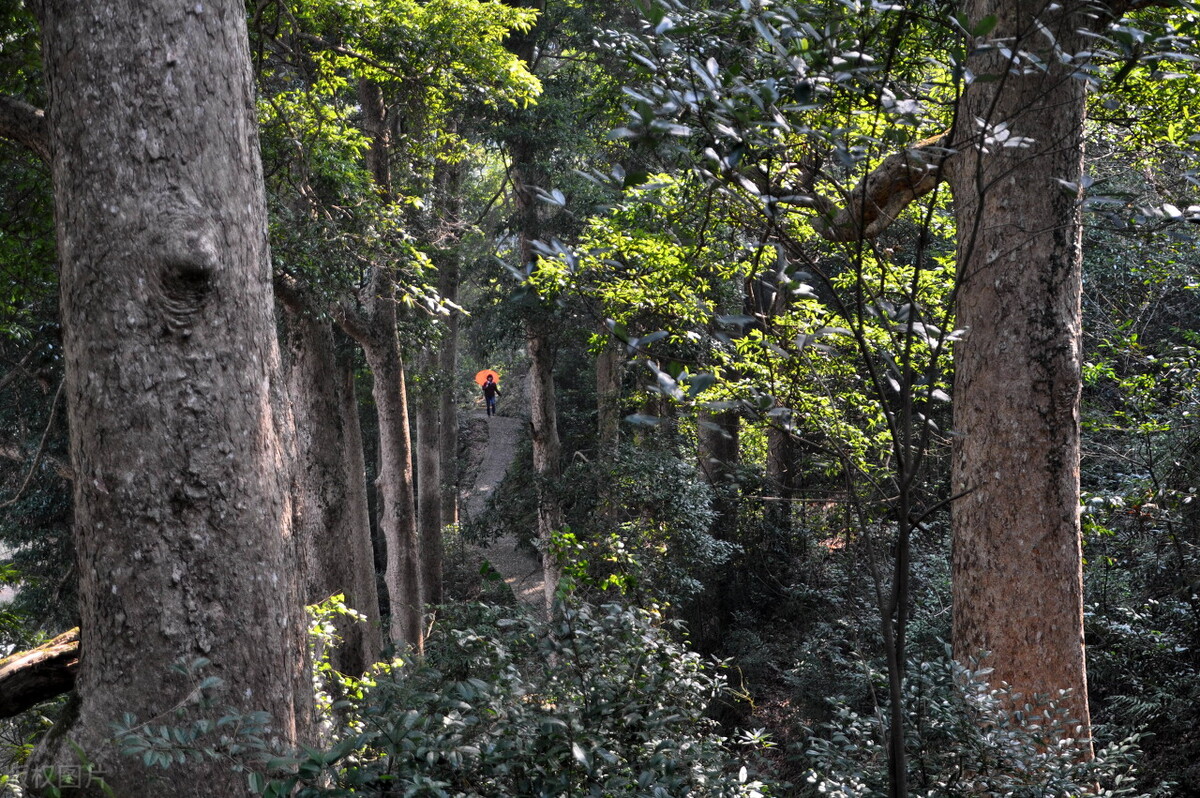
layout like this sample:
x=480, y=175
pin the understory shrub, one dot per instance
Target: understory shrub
x=599, y=702
x=963, y=740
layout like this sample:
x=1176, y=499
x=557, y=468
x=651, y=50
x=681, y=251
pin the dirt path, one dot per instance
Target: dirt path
x=521, y=572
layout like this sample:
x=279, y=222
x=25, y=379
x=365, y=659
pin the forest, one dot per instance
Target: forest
x=846, y=441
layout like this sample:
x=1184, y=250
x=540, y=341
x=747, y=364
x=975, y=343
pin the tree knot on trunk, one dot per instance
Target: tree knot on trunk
x=186, y=276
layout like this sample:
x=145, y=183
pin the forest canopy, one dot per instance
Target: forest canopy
x=844, y=444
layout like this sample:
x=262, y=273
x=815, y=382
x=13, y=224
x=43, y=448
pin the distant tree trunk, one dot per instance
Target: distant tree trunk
x=429, y=480
x=781, y=475
x=1017, y=577
x=609, y=368
x=374, y=326
x=364, y=596
x=765, y=300
x=547, y=449
x=182, y=522
x=397, y=504
x=446, y=233
x=333, y=529
x=448, y=411
x=526, y=176
x=718, y=454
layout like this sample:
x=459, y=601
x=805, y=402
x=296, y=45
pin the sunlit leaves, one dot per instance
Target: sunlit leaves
x=636, y=262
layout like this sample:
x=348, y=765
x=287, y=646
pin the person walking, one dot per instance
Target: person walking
x=491, y=389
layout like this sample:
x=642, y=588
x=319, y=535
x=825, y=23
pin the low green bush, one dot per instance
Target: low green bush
x=964, y=740
x=599, y=702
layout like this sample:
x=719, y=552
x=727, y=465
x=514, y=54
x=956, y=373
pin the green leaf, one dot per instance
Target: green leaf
x=985, y=26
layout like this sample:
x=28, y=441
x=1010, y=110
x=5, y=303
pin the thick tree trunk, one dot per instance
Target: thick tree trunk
x=1017, y=560
x=718, y=453
x=182, y=520
x=429, y=482
x=333, y=530
x=526, y=174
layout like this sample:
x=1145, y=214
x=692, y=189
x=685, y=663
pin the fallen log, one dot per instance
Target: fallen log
x=28, y=678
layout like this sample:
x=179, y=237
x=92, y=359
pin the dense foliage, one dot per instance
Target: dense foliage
x=779, y=484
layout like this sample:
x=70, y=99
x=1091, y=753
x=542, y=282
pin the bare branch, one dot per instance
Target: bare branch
x=28, y=678
x=343, y=50
x=884, y=193
x=25, y=125
x=41, y=450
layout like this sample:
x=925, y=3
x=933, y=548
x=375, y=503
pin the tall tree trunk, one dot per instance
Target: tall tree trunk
x=364, y=596
x=547, y=449
x=397, y=505
x=446, y=231
x=448, y=276
x=609, y=370
x=429, y=480
x=333, y=530
x=182, y=522
x=718, y=453
x=376, y=331
x=782, y=473
x=524, y=148
x=1017, y=577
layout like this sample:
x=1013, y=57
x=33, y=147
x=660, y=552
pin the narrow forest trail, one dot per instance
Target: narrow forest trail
x=521, y=571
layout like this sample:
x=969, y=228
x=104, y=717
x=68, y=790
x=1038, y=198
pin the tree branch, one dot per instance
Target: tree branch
x=28, y=678
x=292, y=294
x=882, y=195
x=25, y=125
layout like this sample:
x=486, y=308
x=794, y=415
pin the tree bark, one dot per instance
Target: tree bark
x=25, y=125
x=429, y=481
x=718, y=451
x=375, y=327
x=1017, y=574
x=333, y=530
x=782, y=475
x=182, y=520
x=547, y=448
x=28, y=678
x=526, y=174
x=609, y=372
x=448, y=276
x=397, y=504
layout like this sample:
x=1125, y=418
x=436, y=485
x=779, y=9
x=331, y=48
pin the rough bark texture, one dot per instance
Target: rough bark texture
x=357, y=517
x=333, y=532
x=547, y=448
x=397, y=504
x=782, y=474
x=1017, y=578
x=717, y=453
x=182, y=521
x=429, y=483
x=28, y=678
x=874, y=204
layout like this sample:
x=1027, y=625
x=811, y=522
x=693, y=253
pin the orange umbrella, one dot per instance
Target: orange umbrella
x=482, y=376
